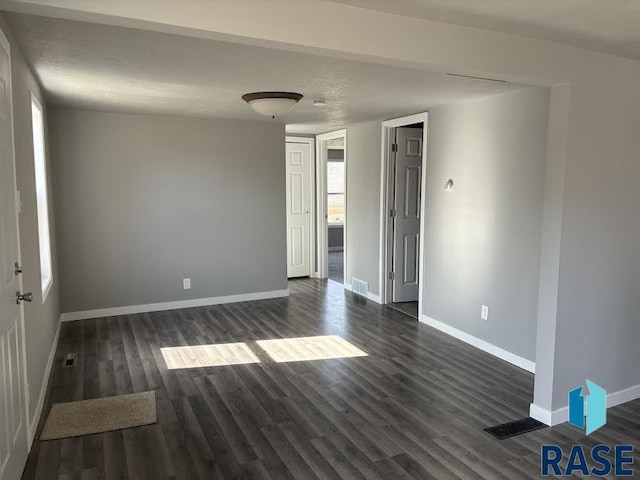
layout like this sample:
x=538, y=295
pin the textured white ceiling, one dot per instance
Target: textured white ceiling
x=610, y=26
x=111, y=68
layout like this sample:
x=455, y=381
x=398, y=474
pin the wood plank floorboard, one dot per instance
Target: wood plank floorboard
x=414, y=407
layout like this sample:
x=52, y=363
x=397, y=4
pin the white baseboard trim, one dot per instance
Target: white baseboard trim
x=494, y=350
x=33, y=422
x=374, y=298
x=623, y=396
x=548, y=417
x=336, y=249
x=158, y=307
x=561, y=415
x=370, y=296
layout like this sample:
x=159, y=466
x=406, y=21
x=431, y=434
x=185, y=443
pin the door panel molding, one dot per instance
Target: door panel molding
x=296, y=187
x=412, y=184
x=414, y=147
x=297, y=248
x=410, y=271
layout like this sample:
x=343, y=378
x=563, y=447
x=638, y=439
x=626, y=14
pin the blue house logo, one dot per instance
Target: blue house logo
x=588, y=411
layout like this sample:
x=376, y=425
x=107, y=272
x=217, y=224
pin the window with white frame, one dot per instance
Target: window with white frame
x=335, y=192
x=40, y=167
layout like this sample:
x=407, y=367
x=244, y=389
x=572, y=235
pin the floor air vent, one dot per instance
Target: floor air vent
x=359, y=287
x=70, y=360
x=511, y=429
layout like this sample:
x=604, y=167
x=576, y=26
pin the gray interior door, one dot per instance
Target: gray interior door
x=406, y=233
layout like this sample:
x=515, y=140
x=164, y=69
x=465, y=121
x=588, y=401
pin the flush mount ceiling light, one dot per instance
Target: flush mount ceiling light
x=272, y=104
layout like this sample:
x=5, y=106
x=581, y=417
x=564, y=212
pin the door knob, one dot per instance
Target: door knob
x=17, y=269
x=24, y=297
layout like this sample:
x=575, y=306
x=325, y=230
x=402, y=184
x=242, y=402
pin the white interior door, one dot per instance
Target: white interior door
x=298, y=209
x=13, y=430
x=406, y=237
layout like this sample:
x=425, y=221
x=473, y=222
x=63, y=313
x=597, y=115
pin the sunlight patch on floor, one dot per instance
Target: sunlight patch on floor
x=198, y=356
x=309, y=348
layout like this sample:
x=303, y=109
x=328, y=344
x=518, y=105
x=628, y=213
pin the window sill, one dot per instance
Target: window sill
x=335, y=225
x=45, y=292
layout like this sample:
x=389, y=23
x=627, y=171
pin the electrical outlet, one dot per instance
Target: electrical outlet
x=484, y=313
x=186, y=283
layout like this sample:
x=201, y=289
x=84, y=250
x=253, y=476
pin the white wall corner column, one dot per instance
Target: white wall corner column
x=542, y=406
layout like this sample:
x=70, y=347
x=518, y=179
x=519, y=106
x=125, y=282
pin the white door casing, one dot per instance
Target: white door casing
x=407, y=202
x=13, y=424
x=299, y=197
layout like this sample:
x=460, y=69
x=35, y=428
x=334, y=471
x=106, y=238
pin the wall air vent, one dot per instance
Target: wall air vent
x=359, y=287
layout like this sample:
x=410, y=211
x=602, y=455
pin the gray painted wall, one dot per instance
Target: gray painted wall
x=597, y=328
x=41, y=320
x=335, y=155
x=336, y=236
x=363, y=203
x=483, y=239
x=482, y=242
x=145, y=201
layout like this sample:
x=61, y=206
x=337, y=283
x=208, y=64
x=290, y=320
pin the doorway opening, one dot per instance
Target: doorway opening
x=332, y=206
x=335, y=209
x=403, y=184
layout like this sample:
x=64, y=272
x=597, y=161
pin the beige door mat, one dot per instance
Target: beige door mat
x=86, y=417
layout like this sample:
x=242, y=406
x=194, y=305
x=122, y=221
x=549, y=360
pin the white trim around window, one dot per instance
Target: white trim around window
x=42, y=197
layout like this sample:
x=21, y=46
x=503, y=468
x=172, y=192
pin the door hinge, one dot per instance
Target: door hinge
x=394, y=147
x=392, y=213
x=392, y=275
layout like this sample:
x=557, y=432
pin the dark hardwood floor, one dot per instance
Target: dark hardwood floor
x=414, y=407
x=335, y=263
x=408, y=308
